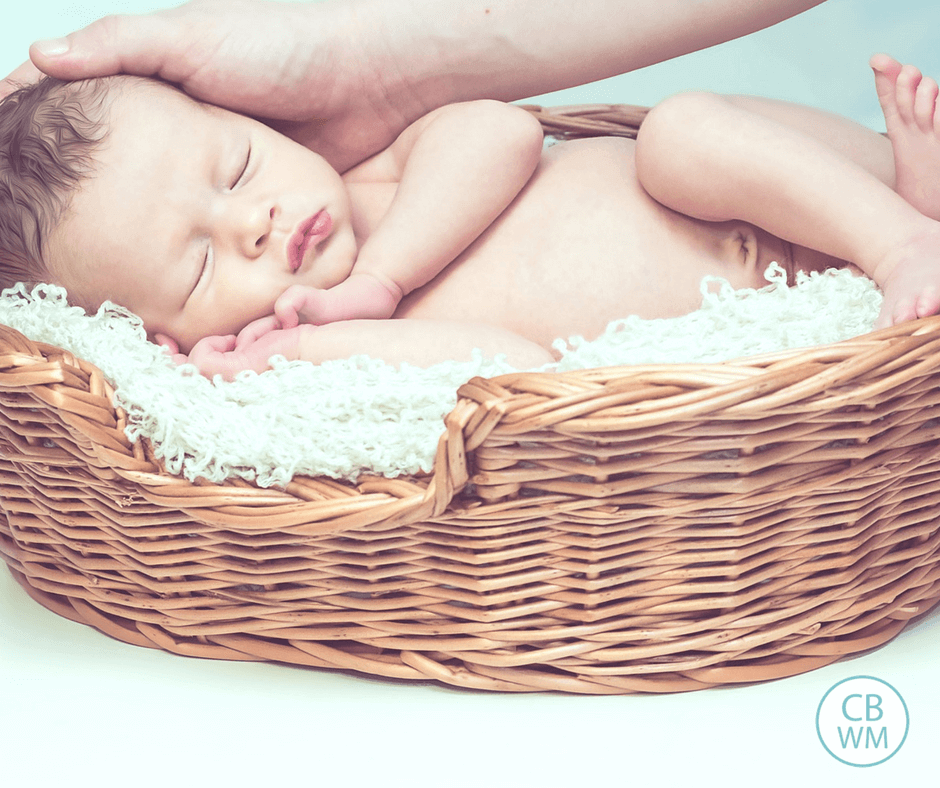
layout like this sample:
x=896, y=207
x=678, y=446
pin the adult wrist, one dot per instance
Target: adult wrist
x=443, y=52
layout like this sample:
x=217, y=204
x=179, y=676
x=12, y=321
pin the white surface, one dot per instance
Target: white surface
x=79, y=709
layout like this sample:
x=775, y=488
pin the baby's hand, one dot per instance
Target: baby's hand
x=360, y=297
x=229, y=355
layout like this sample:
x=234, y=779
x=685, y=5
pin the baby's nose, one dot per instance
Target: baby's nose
x=254, y=231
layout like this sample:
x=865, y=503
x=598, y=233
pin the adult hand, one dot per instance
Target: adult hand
x=346, y=77
x=305, y=67
x=22, y=75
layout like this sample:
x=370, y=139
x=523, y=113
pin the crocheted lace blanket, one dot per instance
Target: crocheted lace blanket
x=345, y=417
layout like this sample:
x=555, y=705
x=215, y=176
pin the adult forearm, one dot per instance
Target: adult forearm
x=511, y=49
x=346, y=77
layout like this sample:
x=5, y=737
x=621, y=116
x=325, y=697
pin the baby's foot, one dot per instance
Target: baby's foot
x=912, y=285
x=909, y=103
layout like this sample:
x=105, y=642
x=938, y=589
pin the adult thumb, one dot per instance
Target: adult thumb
x=118, y=44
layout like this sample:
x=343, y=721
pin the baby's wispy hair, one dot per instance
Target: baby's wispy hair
x=49, y=132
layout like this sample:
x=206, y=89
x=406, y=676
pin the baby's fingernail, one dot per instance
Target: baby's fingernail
x=53, y=47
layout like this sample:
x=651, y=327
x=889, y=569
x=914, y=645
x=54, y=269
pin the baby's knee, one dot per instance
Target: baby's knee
x=681, y=111
x=670, y=128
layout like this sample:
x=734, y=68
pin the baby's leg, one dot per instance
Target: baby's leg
x=909, y=103
x=716, y=160
x=913, y=288
x=859, y=144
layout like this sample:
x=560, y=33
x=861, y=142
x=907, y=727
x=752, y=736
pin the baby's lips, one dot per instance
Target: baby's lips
x=309, y=233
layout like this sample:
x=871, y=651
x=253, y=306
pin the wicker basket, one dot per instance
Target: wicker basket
x=633, y=529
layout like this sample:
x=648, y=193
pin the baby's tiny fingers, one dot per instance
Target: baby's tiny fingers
x=219, y=344
x=290, y=304
x=206, y=347
x=257, y=329
x=168, y=343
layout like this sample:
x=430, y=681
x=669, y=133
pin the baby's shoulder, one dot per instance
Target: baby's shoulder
x=383, y=168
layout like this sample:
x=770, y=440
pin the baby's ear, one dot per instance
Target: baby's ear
x=170, y=344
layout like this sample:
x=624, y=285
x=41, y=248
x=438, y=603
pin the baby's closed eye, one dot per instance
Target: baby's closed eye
x=242, y=172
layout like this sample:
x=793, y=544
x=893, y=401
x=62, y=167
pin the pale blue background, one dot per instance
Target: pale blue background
x=79, y=709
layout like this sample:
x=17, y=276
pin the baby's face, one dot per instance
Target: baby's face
x=197, y=219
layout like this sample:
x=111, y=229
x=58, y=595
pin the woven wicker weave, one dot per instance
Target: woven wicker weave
x=634, y=529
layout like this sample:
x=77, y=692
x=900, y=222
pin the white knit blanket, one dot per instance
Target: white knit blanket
x=341, y=418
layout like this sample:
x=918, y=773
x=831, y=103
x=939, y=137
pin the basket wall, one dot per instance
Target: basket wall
x=645, y=529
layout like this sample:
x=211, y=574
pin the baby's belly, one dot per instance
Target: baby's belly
x=581, y=246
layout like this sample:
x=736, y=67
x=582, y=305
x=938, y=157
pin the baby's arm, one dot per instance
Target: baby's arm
x=421, y=343
x=457, y=170
x=709, y=158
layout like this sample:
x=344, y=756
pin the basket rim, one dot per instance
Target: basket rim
x=310, y=506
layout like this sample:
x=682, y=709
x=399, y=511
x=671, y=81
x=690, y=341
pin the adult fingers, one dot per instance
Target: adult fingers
x=24, y=74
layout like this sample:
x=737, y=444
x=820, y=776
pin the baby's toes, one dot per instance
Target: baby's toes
x=906, y=90
x=928, y=303
x=888, y=315
x=899, y=311
x=885, y=65
x=925, y=104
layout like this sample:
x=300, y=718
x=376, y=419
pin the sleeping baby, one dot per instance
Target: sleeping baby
x=234, y=243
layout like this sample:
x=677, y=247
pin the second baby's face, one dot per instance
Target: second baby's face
x=197, y=219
